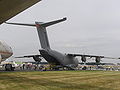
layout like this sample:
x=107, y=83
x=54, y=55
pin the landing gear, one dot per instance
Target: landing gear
x=84, y=68
x=9, y=67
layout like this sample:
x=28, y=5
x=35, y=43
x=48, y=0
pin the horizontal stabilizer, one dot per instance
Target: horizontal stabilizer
x=53, y=22
x=21, y=24
x=41, y=24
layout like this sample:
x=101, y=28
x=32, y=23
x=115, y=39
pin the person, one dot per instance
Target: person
x=35, y=67
x=23, y=66
x=84, y=68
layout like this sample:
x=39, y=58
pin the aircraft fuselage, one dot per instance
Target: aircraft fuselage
x=5, y=51
x=58, y=58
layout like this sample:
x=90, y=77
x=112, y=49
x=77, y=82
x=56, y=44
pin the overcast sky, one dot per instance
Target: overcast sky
x=92, y=27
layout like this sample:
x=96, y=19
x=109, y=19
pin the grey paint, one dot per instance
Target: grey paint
x=42, y=36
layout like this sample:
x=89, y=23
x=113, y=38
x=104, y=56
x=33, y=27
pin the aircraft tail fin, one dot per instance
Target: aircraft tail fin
x=41, y=28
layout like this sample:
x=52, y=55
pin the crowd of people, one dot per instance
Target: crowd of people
x=30, y=66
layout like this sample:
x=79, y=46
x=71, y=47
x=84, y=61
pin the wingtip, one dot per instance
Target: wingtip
x=65, y=18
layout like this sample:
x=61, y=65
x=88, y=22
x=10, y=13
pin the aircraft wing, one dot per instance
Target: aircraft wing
x=37, y=58
x=10, y=8
x=85, y=56
x=29, y=56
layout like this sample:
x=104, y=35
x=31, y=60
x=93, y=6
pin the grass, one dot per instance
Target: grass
x=60, y=80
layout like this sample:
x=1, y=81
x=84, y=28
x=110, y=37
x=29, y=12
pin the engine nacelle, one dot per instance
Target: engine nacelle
x=37, y=58
x=97, y=59
x=83, y=58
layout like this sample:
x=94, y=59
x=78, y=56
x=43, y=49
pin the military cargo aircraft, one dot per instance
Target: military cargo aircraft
x=54, y=57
